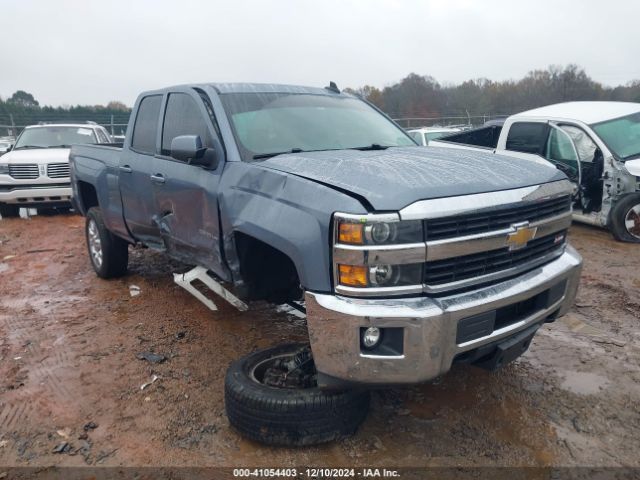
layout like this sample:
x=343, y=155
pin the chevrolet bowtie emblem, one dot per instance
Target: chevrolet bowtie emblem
x=523, y=235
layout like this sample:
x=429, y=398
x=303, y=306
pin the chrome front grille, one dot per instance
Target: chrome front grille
x=494, y=219
x=468, y=241
x=58, y=170
x=479, y=265
x=24, y=171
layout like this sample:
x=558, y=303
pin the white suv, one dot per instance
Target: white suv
x=35, y=172
x=425, y=134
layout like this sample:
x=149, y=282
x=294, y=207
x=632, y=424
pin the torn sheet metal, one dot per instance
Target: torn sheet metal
x=200, y=273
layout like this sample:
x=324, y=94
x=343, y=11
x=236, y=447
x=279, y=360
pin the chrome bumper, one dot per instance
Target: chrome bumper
x=40, y=194
x=429, y=325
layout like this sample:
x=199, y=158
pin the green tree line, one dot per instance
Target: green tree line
x=24, y=109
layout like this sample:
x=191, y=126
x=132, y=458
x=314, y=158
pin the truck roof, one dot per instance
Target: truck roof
x=267, y=88
x=73, y=125
x=587, y=112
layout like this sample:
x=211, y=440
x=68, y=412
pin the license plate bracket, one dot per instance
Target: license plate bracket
x=508, y=350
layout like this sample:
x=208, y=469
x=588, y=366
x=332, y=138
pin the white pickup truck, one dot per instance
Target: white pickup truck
x=596, y=144
x=35, y=171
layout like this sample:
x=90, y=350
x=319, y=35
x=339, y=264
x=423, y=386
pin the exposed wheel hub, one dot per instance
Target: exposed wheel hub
x=632, y=221
x=296, y=370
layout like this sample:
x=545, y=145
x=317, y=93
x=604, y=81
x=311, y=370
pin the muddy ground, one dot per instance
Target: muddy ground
x=68, y=345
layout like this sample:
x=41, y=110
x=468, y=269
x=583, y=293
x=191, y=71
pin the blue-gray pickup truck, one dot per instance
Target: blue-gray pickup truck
x=407, y=259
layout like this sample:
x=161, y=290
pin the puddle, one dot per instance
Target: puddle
x=584, y=383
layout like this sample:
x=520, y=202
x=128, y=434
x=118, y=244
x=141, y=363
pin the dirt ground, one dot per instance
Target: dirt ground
x=68, y=346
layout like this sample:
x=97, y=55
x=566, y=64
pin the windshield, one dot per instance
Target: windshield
x=436, y=135
x=47, y=137
x=271, y=123
x=622, y=135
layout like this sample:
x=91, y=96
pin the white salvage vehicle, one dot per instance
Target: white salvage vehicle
x=35, y=171
x=596, y=144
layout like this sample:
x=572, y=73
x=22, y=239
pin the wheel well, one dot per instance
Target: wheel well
x=88, y=196
x=267, y=273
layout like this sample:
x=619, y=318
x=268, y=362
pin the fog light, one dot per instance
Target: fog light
x=371, y=337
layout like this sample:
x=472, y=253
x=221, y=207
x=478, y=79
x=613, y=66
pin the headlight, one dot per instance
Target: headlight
x=362, y=231
x=4, y=169
x=378, y=251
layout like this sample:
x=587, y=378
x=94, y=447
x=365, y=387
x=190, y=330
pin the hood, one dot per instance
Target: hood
x=36, y=155
x=394, y=178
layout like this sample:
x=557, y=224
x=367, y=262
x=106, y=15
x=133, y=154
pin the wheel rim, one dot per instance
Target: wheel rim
x=632, y=221
x=95, y=244
x=282, y=371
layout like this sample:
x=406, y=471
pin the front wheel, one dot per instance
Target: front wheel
x=625, y=219
x=9, y=211
x=109, y=254
x=271, y=396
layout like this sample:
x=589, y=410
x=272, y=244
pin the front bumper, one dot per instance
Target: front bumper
x=429, y=326
x=36, y=194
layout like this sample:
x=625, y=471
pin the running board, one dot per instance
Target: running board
x=200, y=273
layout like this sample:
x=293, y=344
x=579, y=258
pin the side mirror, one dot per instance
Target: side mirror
x=188, y=148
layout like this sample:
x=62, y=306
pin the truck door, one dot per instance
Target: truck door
x=136, y=166
x=571, y=147
x=186, y=196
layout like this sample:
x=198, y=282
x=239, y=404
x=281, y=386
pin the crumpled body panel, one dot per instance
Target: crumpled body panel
x=394, y=178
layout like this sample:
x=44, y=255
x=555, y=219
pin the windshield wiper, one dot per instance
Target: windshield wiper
x=274, y=154
x=27, y=146
x=373, y=146
x=59, y=146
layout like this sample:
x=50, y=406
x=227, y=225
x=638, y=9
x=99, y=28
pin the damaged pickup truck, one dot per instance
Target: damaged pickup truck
x=406, y=259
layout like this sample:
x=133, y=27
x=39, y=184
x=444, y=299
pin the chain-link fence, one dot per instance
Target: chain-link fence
x=466, y=121
x=12, y=124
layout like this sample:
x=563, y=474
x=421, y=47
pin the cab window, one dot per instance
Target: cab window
x=528, y=137
x=146, y=125
x=183, y=117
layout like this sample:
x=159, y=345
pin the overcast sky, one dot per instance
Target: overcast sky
x=90, y=52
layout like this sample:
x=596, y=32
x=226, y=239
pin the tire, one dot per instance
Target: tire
x=9, y=211
x=47, y=212
x=288, y=416
x=625, y=219
x=50, y=211
x=109, y=254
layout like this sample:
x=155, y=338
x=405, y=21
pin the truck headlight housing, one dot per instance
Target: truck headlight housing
x=378, y=254
x=4, y=169
x=364, y=231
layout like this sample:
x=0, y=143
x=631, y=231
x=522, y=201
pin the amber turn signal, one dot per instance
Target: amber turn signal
x=351, y=233
x=352, y=275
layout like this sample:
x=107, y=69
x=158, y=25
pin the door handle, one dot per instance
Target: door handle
x=157, y=178
x=126, y=169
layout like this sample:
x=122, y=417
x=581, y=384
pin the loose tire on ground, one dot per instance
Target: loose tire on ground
x=288, y=416
x=109, y=254
x=625, y=219
x=9, y=211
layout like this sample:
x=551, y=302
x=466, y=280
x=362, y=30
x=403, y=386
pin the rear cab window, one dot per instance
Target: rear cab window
x=146, y=125
x=528, y=137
